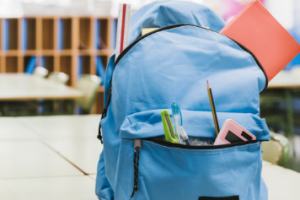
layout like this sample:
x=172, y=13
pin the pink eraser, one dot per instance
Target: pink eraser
x=232, y=132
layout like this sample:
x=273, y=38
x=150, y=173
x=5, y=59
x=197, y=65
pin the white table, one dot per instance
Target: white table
x=72, y=150
x=283, y=184
x=28, y=87
x=285, y=79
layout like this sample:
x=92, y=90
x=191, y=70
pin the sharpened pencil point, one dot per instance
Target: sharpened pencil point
x=208, y=86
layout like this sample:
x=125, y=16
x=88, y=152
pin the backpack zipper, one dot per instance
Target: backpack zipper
x=179, y=25
x=104, y=112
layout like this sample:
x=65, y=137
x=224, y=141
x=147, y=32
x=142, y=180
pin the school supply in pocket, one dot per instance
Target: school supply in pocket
x=232, y=132
x=168, y=128
x=148, y=30
x=177, y=135
x=177, y=119
x=256, y=29
x=174, y=62
x=185, y=136
x=213, y=108
x=123, y=28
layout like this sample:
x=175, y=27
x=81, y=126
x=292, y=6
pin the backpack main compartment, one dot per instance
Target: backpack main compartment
x=174, y=63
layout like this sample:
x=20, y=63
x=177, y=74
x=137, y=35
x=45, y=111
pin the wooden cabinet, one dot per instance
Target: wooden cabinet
x=73, y=45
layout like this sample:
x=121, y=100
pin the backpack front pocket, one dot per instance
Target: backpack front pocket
x=160, y=170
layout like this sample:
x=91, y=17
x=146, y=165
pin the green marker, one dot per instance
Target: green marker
x=168, y=128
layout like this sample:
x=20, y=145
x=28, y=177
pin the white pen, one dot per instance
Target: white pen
x=185, y=136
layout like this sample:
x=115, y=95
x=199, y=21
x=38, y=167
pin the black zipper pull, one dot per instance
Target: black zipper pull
x=107, y=104
x=99, y=136
x=136, y=160
x=104, y=113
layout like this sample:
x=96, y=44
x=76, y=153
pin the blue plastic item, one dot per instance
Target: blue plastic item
x=100, y=69
x=24, y=21
x=31, y=65
x=136, y=163
x=42, y=64
x=60, y=33
x=114, y=33
x=5, y=32
x=97, y=34
x=177, y=121
x=79, y=67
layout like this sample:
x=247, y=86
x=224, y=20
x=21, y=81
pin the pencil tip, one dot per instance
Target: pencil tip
x=208, y=86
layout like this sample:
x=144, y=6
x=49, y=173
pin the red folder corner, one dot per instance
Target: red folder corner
x=256, y=29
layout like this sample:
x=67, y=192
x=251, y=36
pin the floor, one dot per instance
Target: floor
x=49, y=158
x=55, y=158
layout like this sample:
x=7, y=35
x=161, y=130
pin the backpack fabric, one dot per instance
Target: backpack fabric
x=174, y=63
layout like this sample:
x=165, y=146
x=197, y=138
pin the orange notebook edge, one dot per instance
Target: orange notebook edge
x=237, y=16
x=294, y=51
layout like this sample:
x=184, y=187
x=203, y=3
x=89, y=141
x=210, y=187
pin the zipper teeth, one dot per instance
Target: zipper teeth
x=169, y=144
x=174, y=26
x=179, y=25
x=144, y=36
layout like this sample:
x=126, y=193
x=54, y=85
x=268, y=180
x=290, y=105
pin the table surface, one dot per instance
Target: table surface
x=282, y=183
x=284, y=79
x=59, y=156
x=28, y=87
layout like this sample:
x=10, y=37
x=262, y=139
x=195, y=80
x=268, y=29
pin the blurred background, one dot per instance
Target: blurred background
x=53, y=56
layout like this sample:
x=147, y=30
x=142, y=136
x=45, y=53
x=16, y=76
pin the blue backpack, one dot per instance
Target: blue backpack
x=174, y=63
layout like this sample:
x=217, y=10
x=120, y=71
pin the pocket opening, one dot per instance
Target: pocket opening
x=148, y=124
x=201, y=143
x=195, y=141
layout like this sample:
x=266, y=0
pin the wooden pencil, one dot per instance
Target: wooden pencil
x=213, y=108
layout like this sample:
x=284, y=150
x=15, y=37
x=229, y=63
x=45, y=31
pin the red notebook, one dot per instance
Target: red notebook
x=256, y=29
